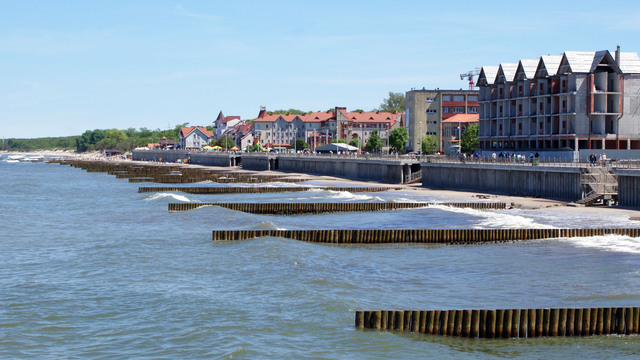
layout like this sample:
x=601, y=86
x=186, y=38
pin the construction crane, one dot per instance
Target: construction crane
x=469, y=75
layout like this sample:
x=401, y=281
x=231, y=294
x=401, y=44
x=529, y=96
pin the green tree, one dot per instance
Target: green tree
x=356, y=142
x=395, y=102
x=374, y=144
x=299, y=144
x=225, y=142
x=290, y=111
x=469, y=140
x=429, y=145
x=339, y=141
x=398, y=138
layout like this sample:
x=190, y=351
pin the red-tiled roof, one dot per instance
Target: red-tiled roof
x=462, y=118
x=186, y=130
x=374, y=117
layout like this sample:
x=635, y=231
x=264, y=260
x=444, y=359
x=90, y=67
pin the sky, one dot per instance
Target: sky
x=71, y=66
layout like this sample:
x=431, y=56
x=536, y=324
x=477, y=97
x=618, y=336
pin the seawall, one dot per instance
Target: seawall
x=561, y=183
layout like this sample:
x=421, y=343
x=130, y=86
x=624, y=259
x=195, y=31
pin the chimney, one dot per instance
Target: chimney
x=618, y=55
x=263, y=111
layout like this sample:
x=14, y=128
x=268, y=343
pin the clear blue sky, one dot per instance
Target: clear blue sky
x=71, y=66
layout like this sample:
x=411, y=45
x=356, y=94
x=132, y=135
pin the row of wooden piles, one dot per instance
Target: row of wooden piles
x=506, y=323
x=423, y=236
x=172, y=174
x=318, y=208
x=255, y=190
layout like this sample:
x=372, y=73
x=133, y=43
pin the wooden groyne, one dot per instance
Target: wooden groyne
x=422, y=236
x=505, y=323
x=318, y=208
x=256, y=190
x=174, y=173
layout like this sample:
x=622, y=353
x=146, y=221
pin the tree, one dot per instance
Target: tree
x=339, y=141
x=429, y=145
x=398, y=138
x=356, y=142
x=225, y=142
x=395, y=102
x=374, y=144
x=299, y=144
x=469, y=139
x=290, y=111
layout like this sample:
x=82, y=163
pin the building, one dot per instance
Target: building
x=453, y=128
x=570, y=102
x=222, y=123
x=241, y=133
x=320, y=128
x=426, y=109
x=194, y=137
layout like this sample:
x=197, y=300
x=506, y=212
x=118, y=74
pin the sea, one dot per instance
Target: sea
x=92, y=269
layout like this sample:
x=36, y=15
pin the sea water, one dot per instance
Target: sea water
x=92, y=269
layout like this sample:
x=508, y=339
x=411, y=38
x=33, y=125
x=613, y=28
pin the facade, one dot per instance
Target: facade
x=223, y=123
x=241, y=133
x=452, y=130
x=194, y=137
x=426, y=109
x=569, y=102
x=320, y=128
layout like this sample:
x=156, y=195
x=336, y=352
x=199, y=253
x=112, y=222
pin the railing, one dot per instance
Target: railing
x=414, y=176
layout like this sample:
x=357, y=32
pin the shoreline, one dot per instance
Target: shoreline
x=516, y=202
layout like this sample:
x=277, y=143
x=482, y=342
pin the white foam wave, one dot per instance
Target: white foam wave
x=496, y=219
x=349, y=196
x=169, y=195
x=615, y=243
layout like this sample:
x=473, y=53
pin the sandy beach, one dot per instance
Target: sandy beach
x=516, y=202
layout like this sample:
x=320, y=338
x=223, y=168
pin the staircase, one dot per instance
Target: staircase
x=598, y=183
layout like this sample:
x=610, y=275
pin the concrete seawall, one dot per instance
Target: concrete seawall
x=628, y=188
x=549, y=182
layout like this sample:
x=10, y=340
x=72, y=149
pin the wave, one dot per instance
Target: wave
x=613, y=243
x=177, y=197
x=496, y=219
x=266, y=225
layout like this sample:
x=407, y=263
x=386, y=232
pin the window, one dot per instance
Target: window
x=458, y=98
x=446, y=97
x=458, y=109
x=445, y=110
x=432, y=111
x=430, y=100
x=472, y=109
x=472, y=98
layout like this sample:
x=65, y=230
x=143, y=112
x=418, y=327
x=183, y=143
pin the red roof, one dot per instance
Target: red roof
x=462, y=118
x=374, y=117
x=184, y=131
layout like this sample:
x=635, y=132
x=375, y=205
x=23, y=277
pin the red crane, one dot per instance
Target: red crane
x=469, y=75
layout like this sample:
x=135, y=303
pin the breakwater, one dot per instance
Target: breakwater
x=257, y=190
x=421, y=236
x=174, y=173
x=318, y=208
x=506, y=323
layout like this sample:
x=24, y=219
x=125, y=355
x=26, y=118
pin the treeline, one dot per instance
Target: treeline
x=124, y=140
x=98, y=139
x=47, y=143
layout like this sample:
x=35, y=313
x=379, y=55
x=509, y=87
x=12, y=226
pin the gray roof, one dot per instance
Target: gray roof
x=488, y=74
x=548, y=65
x=629, y=63
x=508, y=70
x=528, y=68
x=577, y=61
